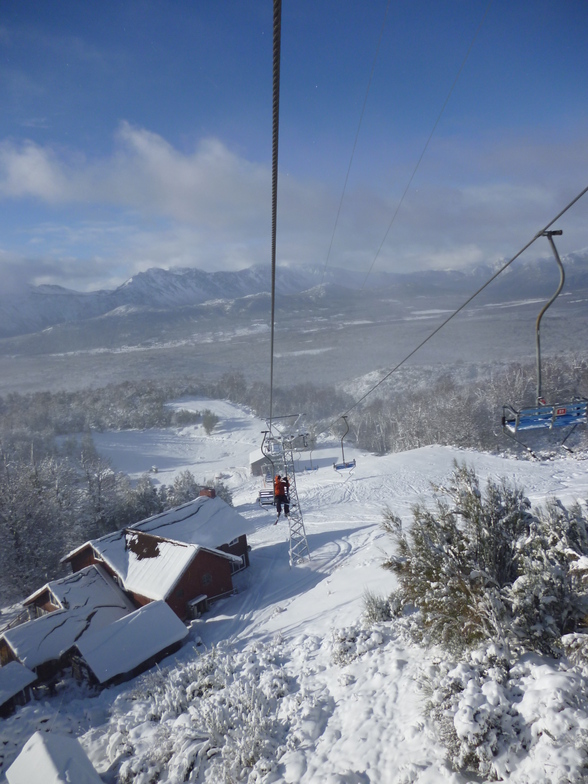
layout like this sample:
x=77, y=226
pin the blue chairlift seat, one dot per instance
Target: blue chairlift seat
x=545, y=417
x=344, y=466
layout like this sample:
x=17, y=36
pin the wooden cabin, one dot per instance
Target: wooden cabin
x=178, y=556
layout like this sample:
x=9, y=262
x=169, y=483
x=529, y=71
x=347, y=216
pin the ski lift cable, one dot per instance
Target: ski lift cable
x=367, y=92
x=277, y=35
x=460, y=308
x=422, y=155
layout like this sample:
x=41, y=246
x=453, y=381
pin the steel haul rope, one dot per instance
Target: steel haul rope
x=275, y=136
x=367, y=92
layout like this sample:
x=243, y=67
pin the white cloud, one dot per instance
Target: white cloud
x=210, y=208
x=29, y=170
x=211, y=185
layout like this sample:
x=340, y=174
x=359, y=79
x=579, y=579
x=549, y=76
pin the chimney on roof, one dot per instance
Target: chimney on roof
x=210, y=492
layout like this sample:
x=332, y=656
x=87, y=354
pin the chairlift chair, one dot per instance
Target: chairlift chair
x=311, y=467
x=268, y=448
x=266, y=498
x=544, y=416
x=344, y=464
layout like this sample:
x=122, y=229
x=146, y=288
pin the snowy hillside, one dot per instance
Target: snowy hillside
x=285, y=681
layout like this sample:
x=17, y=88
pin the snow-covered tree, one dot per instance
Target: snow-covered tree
x=209, y=421
x=32, y=536
x=145, y=499
x=184, y=489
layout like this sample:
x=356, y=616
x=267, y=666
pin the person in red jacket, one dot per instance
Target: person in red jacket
x=281, y=490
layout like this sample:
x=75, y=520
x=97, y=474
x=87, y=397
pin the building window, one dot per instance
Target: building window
x=237, y=567
x=206, y=578
x=235, y=541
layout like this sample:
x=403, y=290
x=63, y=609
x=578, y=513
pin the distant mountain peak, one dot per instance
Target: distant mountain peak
x=39, y=307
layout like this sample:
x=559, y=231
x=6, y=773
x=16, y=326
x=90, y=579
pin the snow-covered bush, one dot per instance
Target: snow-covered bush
x=348, y=644
x=506, y=721
x=218, y=716
x=375, y=608
x=474, y=707
x=482, y=566
x=547, y=599
x=456, y=559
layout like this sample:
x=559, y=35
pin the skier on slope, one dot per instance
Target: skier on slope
x=281, y=495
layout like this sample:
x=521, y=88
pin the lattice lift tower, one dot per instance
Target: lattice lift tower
x=279, y=450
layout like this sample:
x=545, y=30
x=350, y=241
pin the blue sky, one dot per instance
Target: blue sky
x=138, y=134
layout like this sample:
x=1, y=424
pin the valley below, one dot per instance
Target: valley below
x=326, y=338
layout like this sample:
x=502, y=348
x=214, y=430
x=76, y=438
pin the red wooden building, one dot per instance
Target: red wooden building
x=185, y=556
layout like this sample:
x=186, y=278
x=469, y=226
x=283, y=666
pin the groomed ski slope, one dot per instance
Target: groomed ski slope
x=317, y=695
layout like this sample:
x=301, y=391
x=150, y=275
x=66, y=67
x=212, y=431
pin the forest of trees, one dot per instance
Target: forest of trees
x=441, y=409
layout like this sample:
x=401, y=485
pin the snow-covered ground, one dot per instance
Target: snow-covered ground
x=297, y=688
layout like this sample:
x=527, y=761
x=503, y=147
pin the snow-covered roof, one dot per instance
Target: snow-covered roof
x=209, y=522
x=132, y=640
x=52, y=759
x=89, y=584
x=14, y=677
x=147, y=565
x=96, y=602
x=75, y=551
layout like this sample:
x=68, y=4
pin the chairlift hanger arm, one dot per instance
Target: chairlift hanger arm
x=562, y=279
x=344, y=417
x=266, y=452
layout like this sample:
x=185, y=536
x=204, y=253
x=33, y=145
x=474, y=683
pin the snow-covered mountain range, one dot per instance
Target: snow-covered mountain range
x=38, y=307
x=164, y=323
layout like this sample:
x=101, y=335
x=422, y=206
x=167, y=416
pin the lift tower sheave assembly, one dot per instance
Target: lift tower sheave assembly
x=279, y=450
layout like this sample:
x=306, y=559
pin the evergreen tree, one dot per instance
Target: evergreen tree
x=184, y=489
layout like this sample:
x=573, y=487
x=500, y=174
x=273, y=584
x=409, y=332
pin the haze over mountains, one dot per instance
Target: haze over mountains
x=39, y=307
x=182, y=321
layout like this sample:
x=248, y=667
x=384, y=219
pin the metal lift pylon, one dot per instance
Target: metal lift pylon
x=282, y=460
